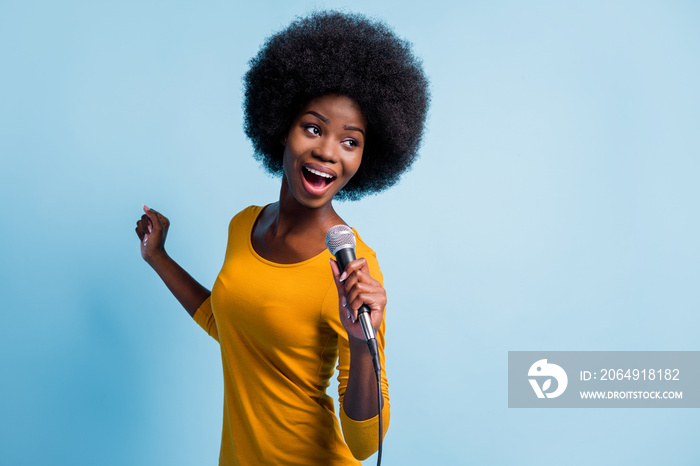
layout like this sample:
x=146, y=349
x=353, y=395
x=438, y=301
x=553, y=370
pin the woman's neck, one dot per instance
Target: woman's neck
x=289, y=232
x=291, y=216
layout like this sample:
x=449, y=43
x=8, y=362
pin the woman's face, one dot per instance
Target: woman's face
x=323, y=149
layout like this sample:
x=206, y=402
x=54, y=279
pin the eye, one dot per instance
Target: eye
x=313, y=129
x=351, y=143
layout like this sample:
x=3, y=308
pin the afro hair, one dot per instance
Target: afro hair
x=330, y=52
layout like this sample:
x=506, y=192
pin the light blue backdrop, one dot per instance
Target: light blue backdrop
x=555, y=207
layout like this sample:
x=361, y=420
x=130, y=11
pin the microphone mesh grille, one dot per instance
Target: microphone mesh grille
x=340, y=237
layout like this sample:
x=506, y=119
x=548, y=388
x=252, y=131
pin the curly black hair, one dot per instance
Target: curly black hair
x=330, y=52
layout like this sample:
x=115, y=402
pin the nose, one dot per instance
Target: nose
x=326, y=150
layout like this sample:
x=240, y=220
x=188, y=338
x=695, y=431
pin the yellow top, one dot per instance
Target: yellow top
x=280, y=334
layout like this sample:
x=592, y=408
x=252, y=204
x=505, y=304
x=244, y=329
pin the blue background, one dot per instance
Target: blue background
x=554, y=208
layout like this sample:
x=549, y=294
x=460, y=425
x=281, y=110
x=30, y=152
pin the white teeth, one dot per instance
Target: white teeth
x=316, y=172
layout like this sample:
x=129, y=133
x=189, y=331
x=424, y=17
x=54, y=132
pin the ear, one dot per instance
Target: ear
x=284, y=140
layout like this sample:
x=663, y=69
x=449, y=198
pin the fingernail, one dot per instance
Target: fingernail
x=344, y=301
x=343, y=276
x=354, y=319
x=349, y=316
x=146, y=208
x=150, y=229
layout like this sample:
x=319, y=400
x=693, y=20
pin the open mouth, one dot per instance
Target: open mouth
x=317, y=179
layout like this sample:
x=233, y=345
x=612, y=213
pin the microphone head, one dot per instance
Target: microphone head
x=340, y=237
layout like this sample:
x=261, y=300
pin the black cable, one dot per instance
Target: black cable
x=379, y=406
x=374, y=351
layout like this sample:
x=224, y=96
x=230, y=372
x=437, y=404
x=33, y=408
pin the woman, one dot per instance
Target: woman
x=335, y=104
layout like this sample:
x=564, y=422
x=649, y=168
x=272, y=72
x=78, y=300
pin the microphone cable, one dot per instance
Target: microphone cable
x=378, y=372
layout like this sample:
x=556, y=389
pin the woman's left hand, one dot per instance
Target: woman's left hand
x=356, y=287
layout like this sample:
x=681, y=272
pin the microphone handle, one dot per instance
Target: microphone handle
x=344, y=257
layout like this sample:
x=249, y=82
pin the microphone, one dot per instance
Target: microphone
x=340, y=241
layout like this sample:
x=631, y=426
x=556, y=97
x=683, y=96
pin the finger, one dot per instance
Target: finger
x=154, y=218
x=345, y=310
x=353, y=292
x=376, y=304
x=163, y=220
x=142, y=227
x=358, y=271
x=335, y=268
x=377, y=319
x=360, y=282
x=143, y=237
x=361, y=278
x=146, y=224
x=373, y=295
x=374, y=299
x=357, y=265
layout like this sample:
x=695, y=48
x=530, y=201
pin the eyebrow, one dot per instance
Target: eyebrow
x=326, y=120
x=354, y=128
x=318, y=115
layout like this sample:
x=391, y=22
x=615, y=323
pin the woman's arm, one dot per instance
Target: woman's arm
x=357, y=380
x=356, y=287
x=152, y=230
x=360, y=402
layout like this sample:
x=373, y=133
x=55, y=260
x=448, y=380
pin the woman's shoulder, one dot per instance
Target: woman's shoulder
x=363, y=250
x=361, y=246
x=246, y=216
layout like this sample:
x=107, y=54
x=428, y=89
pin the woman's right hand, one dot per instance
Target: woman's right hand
x=152, y=230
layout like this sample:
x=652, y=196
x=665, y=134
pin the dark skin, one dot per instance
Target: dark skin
x=325, y=139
